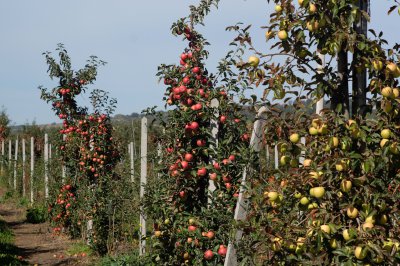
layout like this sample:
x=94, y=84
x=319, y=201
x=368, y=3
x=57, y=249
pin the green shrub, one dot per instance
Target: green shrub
x=36, y=215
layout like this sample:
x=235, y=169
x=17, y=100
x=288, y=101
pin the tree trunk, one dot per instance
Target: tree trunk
x=340, y=96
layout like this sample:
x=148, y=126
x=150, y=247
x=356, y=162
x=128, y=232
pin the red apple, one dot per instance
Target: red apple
x=210, y=234
x=202, y=171
x=192, y=228
x=222, y=250
x=222, y=119
x=217, y=166
x=213, y=176
x=188, y=157
x=208, y=255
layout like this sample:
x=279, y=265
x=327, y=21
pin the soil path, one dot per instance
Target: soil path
x=35, y=242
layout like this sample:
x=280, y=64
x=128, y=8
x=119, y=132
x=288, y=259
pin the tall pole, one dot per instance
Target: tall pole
x=32, y=167
x=15, y=163
x=143, y=182
x=9, y=160
x=132, y=161
x=359, y=99
x=46, y=166
x=23, y=168
x=320, y=103
x=2, y=157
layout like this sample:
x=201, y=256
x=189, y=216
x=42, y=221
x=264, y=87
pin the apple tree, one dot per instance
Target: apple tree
x=88, y=152
x=333, y=197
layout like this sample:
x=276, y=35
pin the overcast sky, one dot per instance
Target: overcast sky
x=132, y=36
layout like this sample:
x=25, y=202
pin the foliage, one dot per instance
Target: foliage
x=36, y=215
x=4, y=125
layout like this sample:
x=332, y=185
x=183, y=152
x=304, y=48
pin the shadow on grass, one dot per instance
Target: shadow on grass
x=9, y=255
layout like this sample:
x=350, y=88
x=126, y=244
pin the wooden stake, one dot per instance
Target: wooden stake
x=15, y=163
x=143, y=182
x=132, y=161
x=32, y=166
x=46, y=165
x=214, y=139
x=241, y=205
x=23, y=168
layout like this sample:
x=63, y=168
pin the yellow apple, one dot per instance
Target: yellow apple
x=192, y=221
x=268, y=34
x=254, y=61
x=385, y=133
x=301, y=2
x=313, y=205
x=317, y=192
x=313, y=131
x=278, y=8
x=333, y=243
x=360, y=253
x=294, y=138
x=383, y=142
x=314, y=174
x=393, y=69
x=284, y=160
x=325, y=228
x=307, y=162
x=312, y=8
x=304, y=201
x=312, y=26
x=282, y=35
x=346, y=235
x=396, y=92
x=282, y=147
x=334, y=142
x=387, y=92
x=377, y=65
x=297, y=195
x=272, y=195
x=352, y=212
x=323, y=129
x=346, y=185
x=316, y=122
x=370, y=219
x=367, y=226
x=394, y=148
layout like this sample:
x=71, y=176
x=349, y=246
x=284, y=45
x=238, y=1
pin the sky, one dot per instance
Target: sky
x=132, y=36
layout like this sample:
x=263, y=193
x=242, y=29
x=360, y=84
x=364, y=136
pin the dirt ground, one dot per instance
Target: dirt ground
x=35, y=242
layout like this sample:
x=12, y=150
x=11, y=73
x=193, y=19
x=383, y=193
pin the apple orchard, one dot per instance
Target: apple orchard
x=321, y=188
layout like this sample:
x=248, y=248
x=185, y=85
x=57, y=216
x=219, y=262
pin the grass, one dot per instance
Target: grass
x=8, y=251
x=78, y=249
